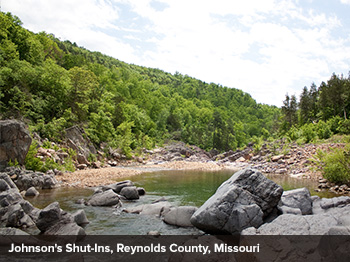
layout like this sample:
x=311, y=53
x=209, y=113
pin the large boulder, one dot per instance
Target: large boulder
x=106, y=198
x=15, y=141
x=49, y=216
x=244, y=200
x=53, y=220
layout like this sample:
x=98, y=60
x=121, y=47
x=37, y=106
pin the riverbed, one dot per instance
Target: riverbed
x=179, y=187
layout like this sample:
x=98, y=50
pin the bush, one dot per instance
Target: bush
x=32, y=162
x=335, y=166
x=308, y=133
x=323, y=130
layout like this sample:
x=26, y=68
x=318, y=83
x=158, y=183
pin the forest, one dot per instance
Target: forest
x=320, y=112
x=53, y=85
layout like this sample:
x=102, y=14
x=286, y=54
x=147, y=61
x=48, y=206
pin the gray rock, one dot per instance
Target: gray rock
x=242, y=201
x=31, y=192
x=289, y=210
x=65, y=228
x=141, y=191
x=15, y=141
x=180, y=216
x=50, y=182
x=36, y=179
x=30, y=210
x=6, y=178
x=298, y=198
x=106, y=198
x=330, y=222
x=3, y=185
x=158, y=209
x=78, y=141
x=130, y=193
x=120, y=185
x=10, y=197
x=49, y=216
x=12, y=232
x=80, y=217
x=324, y=204
x=16, y=217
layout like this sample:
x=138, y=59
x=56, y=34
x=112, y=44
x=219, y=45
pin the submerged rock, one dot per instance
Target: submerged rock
x=180, y=216
x=158, y=208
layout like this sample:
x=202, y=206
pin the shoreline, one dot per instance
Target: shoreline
x=109, y=175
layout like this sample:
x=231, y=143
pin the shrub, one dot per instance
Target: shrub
x=323, y=130
x=308, y=133
x=32, y=162
x=335, y=166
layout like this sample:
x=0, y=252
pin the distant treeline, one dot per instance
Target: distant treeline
x=320, y=112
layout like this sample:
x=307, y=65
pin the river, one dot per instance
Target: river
x=178, y=187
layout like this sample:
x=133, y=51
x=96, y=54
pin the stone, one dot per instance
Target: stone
x=15, y=141
x=49, y=216
x=276, y=158
x=180, y=216
x=130, y=193
x=38, y=180
x=80, y=217
x=77, y=140
x=298, y=198
x=242, y=201
x=10, y=197
x=324, y=204
x=31, y=192
x=120, y=185
x=82, y=159
x=141, y=191
x=158, y=209
x=16, y=217
x=12, y=232
x=50, y=182
x=106, y=198
x=3, y=185
x=330, y=222
x=5, y=177
x=81, y=166
x=65, y=228
x=97, y=164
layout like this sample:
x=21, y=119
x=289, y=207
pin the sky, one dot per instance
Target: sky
x=267, y=48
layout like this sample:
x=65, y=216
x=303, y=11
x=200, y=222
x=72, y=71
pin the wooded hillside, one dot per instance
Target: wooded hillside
x=53, y=84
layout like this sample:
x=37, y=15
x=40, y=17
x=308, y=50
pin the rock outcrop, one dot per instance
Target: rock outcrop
x=307, y=216
x=244, y=200
x=15, y=141
x=15, y=212
x=25, y=179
